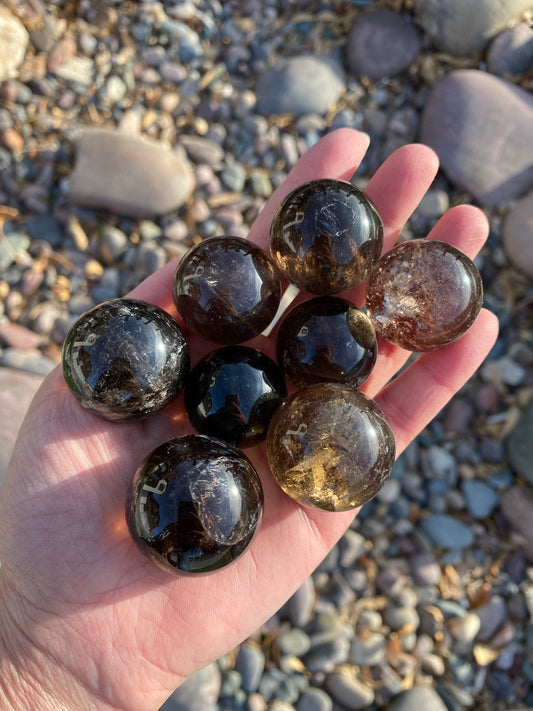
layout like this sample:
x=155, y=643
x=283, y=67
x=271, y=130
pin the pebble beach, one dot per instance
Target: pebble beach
x=129, y=131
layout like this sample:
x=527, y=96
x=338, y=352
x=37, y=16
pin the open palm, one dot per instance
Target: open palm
x=86, y=621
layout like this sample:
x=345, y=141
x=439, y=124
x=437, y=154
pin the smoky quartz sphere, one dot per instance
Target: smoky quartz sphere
x=125, y=358
x=331, y=447
x=232, y=394
x=326, y=236
x=227, y=290
x=326, y=339
x=194, y=504
x=424, y=294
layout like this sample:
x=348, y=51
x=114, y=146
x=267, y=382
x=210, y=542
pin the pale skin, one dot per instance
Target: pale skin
x=88, y=622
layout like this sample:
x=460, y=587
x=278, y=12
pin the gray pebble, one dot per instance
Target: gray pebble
x=425, y=569
x=349, y=691
x=323, y=657
x=313, y=699
x=398, y=617
x=481, y=499
x=113, y=243
x=45, y=227
x=203, y=150
x=300, y=85
x=419, y=698
x=520, y=446
x=29, y=361
x=276, y=684
x=233, y=174
x=250, y=663
x=462, y=28
x=454, y=124
x=447, y=532
x=511, y=52
x=368, y=649
x=517, y=234
x=374, y=30
x=294, y=642
x=491, y=616
x=198, y=693
x=434, y=203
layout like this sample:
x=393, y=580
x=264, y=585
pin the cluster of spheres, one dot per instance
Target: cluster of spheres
x=195, y=503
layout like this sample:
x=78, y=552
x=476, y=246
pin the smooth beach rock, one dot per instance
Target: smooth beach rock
x=518, y=235
x=129, y=175
x=481, y=127
x=462, y=28
x=520, y=446
x=300, y=85
x=370, y=33
x=13, y=43
x=419, y=698
x=516, y=504
x=511, y=52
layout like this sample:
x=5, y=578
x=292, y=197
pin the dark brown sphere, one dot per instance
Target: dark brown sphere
x=326, y=339
x=331, y=447
x=125, y=358
x=194, y=504
x=424, y=294
x=326, y=236
x=227, y=290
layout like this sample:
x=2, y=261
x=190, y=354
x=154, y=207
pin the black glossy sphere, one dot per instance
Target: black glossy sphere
x=227, y=290
x=233, y=393
x=194, y=504
x=326, y=236
x=326, y=339
x=125, y=358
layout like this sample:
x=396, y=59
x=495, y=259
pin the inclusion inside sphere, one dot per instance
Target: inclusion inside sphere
x=326, y=236
x=423, y=294
x=125, y=358
x=331, y=447
x=227, y=290
x=194, y=504
x=232, y=394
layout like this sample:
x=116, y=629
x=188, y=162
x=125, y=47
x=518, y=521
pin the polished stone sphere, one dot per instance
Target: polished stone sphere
x=424, y=294
x=326, y=339
x=194, y=504
x=232, y=394
x=227, y=290
x=125, y=358
x=331, y=447
x=326, y=236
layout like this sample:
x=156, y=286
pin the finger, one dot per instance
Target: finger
x=464, y=227
x=337, y=155
x=425, y=387
x=398, y=186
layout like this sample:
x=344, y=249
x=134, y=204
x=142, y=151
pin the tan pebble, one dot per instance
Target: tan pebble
x=4, y=290
x=12, y=140
x=77, y=233
x=93, y=269
x=484, y=655
x=62, y=288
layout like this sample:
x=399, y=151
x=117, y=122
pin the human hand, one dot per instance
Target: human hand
x=87, y=621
